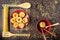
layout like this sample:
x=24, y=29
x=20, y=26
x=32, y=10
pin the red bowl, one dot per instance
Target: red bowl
x=47, y=22
x=17, y=11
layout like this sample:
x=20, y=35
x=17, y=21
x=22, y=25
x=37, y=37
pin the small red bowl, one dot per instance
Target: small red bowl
x=47, y=22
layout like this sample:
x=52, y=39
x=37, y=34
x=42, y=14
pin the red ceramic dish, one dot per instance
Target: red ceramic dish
x=47, y=24
x=26, y=14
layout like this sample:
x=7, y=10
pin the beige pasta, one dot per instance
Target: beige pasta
x=15, y=15
x=21, y=14
x=12, y=20
x=5, y=18
x=21, y=25
x=15, y=25
x=19, y=19
x=42, y=24
x=25, y=20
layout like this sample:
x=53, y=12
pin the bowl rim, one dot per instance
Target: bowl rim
x=26, y=13
x=39, y=21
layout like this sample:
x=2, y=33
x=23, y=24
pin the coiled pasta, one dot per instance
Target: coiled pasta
x=15, y=15
x=15, y=25
x=12, y=20
x=21, y=14
x=19, y=19
x=25, y=20
x=21, y=25
x=42, y=24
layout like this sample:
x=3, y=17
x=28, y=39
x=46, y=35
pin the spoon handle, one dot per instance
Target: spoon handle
x=52, y=25
x=43, y=34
